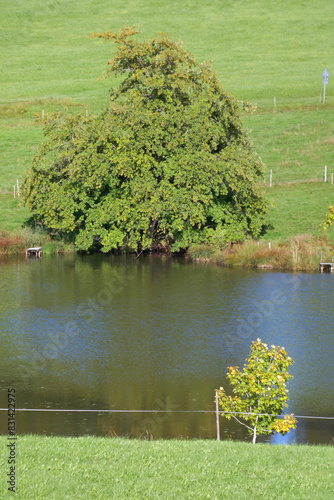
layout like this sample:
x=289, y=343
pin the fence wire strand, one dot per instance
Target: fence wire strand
x=59, y=410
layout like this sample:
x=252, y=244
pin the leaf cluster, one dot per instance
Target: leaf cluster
x=329, y=219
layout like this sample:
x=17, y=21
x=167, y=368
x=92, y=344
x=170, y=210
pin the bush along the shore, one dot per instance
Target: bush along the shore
x=300, y=253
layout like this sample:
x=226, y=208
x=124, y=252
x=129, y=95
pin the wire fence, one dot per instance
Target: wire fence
x=59, y=410
x=216, y=412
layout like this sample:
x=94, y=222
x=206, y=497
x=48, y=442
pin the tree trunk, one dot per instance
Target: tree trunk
x=254, y=431
x=254, y=435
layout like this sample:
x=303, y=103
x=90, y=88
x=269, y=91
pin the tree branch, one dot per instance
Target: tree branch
x=242, y=423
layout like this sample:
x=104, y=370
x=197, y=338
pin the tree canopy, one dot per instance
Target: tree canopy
x=259, y=391
x=168, y=163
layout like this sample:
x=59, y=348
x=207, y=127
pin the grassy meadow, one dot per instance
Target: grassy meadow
x=261, y=50
x=105, y=468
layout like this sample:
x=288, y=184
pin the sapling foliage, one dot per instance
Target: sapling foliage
x=259, y=391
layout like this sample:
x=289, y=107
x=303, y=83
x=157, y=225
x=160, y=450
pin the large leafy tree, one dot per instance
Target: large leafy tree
x=168, y=163
x=259, y=391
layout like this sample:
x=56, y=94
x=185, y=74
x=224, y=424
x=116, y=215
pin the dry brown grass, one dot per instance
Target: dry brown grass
x=11, y=242
x=18, y=241
x=300, y=253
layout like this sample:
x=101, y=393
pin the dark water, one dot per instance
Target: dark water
x=103, y=332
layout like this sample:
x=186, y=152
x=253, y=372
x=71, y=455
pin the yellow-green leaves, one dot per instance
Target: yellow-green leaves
x=259, y=391
x=329, y=219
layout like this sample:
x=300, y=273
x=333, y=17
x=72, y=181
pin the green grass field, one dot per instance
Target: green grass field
x=113, y=468
x=261, y=49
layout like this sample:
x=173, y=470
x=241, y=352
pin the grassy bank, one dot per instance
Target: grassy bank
x=299, y=253
x=18, y=240
x=104, y=468
x=261, y=49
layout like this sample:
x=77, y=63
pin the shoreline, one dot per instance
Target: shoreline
x=302, y=252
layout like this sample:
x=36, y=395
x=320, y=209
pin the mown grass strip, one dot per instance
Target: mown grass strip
x=104, y=468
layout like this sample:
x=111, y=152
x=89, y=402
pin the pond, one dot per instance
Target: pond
x=156, y=333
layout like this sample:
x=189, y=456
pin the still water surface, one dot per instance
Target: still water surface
x=115, y=332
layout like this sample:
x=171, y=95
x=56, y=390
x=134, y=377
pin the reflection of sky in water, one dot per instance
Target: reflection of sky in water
x=289, y=438
x=174, y=328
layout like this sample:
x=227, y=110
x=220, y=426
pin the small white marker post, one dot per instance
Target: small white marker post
x=325, y=173
x=14, y=190
x=325, y=80
x=271, y=178
x=217, y=417
x=269, y=245
x=332, y=178
x=274, y=101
